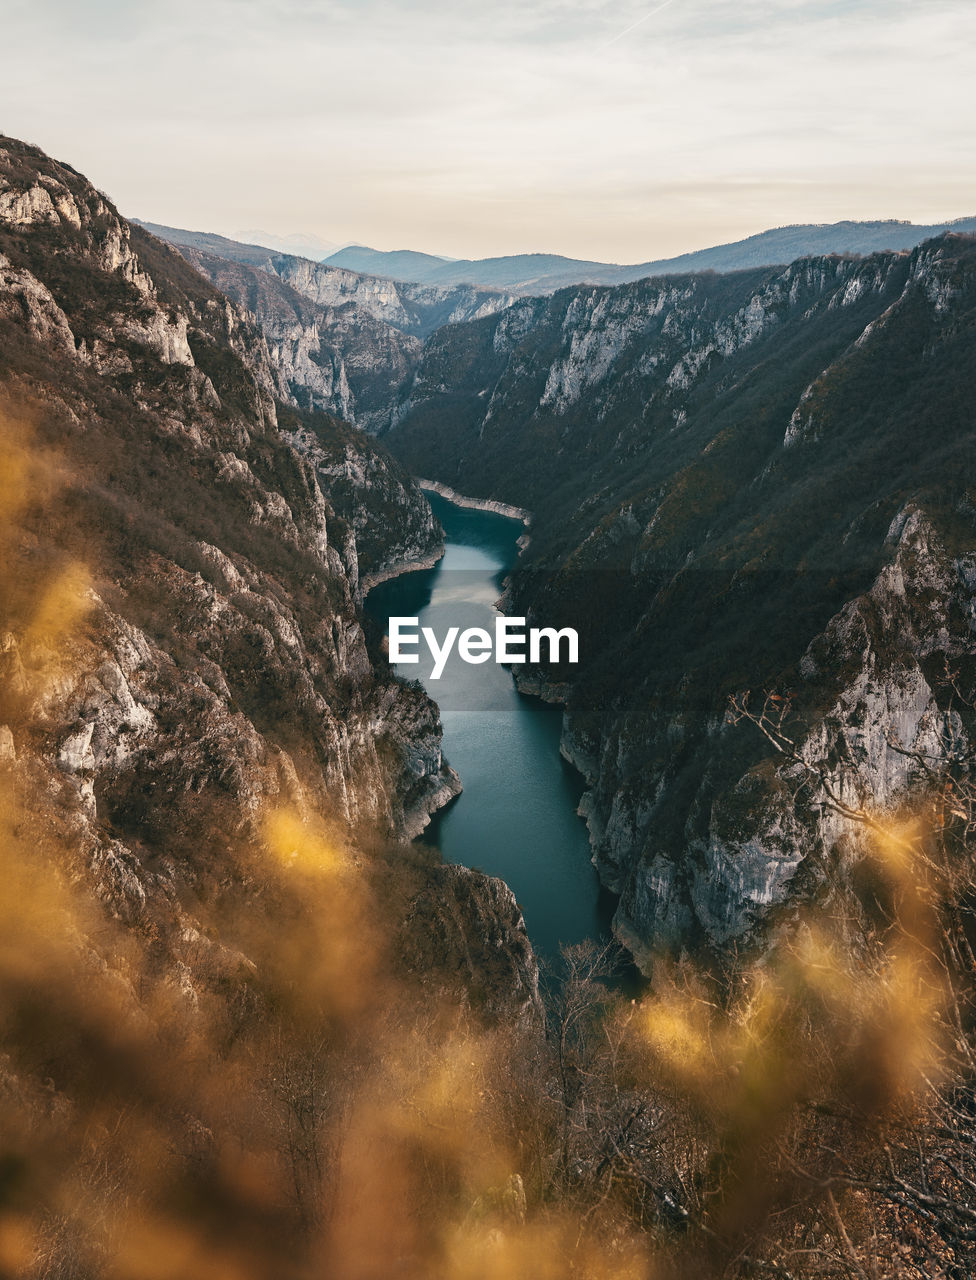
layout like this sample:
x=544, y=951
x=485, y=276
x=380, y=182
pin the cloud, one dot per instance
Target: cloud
x=471, y=128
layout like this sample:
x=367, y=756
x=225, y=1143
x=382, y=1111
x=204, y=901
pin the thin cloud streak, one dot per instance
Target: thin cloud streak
x=639, y=23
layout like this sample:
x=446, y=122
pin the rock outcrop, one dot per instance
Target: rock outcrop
x=391, y=520
x=484, y=962
x=341, y=357
x=340, y=341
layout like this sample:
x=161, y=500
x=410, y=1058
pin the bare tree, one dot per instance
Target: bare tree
x=894, y=1194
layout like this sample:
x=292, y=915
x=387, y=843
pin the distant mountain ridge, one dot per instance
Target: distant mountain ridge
x=544, y=272
x=531, y=274
x=411, y=307
x=259, y=243
x=397, y=264
x=300, y=243
x=255, y=255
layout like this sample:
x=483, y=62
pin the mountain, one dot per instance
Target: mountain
x=541, y=272
x=251, y=246
x=400, y=264
x=756, y=481
x=412, y=308
x=342, y=342
x=300, y=244
x=216, y=936
x=341, y=358
x=523, y=272
x=785, y=244
x=202, y=498
x=248, y=1030
x=208, y=242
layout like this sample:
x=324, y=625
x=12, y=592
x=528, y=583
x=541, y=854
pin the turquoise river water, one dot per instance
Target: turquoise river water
x=516, y=817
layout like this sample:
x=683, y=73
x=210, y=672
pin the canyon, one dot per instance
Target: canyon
x=726, y=478
x=254, y=1024
x=339, y=341
x=759, y=481
x=678, y=441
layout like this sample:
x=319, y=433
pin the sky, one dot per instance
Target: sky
x=613, y=130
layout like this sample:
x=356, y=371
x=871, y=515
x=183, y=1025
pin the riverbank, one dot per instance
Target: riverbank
x=466, y=502
x=477, y=504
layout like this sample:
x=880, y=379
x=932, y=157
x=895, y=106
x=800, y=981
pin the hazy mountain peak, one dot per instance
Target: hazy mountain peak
x=536, y=273
x=397, y=264
x=301, y=244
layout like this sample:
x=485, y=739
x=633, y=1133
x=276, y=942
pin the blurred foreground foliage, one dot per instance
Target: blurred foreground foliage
x=293, y=1105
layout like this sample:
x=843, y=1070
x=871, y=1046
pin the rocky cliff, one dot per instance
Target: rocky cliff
x=340, y=358
x=416, y=309
x=759, y=481
x=207, y=546
x=340, y=341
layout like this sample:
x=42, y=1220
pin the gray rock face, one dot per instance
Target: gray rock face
x=391, y=520
x=550, y=372
x=342, y=342
x=340, y=356
x=222, y=671
x=113, y=709
x=413, y=308
x=890, y=641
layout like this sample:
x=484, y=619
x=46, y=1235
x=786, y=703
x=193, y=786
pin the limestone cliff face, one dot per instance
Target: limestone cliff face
x=762, y=481
x=339, y=356
x=254, y=648
x=339, y=341
x=414, y=308
x=876, y=676
x=221, y=669
x=383, y=505
x=560, y=371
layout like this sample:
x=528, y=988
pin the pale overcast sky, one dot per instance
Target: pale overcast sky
x=609, y=129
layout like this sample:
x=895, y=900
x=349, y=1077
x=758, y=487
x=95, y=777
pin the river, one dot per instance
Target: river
x=516, y=817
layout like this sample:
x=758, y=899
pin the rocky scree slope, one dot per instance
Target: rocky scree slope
x=341, y=341
x=222, y=668
x=760, y=481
